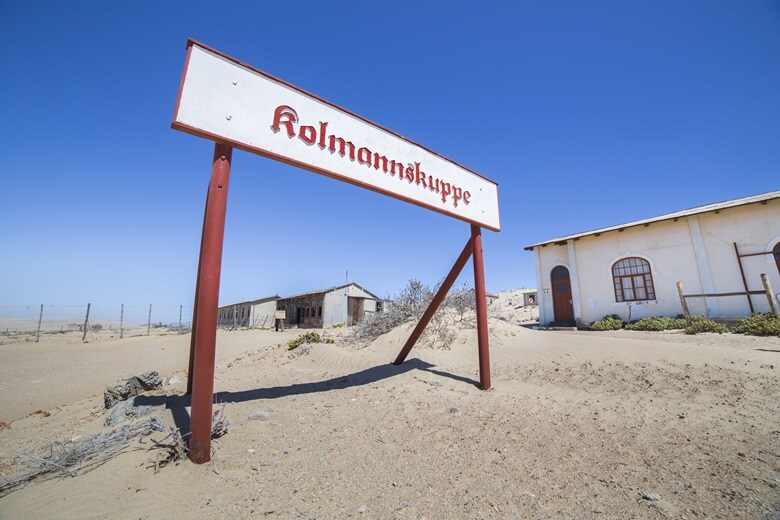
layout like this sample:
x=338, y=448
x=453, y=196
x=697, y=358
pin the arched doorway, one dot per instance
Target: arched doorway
x=563, y=309
x=776, y=252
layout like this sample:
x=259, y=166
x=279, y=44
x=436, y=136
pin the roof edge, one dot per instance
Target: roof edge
x=713, y=207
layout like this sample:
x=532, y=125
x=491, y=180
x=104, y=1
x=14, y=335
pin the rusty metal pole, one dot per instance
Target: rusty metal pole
x=481, y=302
x=205, y=330
x=434, y=305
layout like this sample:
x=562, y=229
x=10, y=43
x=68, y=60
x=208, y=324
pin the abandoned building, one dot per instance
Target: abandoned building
x=632, y=269
x=344, y=305
x=255, y=314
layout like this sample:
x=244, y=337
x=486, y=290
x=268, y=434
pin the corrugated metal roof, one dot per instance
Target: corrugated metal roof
x=670, y=216
x=329, y=289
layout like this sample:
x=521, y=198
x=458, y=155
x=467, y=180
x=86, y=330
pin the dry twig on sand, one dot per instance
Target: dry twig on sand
x=170, y=449
x=77, y=457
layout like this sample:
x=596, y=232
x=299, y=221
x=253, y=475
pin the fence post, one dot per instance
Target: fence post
x=122, y=321
x=40, y=318
x=86, y=322
x=180, y=308
x=769, y=294
x=684, y=304
x=149, y=321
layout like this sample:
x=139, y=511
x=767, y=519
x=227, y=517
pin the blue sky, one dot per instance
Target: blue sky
x=587, y=114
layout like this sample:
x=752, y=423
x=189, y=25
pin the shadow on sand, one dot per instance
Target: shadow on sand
x=178, y=403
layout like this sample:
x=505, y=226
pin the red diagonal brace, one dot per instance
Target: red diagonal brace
x=434, y=305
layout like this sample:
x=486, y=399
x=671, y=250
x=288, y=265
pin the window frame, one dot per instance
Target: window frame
x=636, y=272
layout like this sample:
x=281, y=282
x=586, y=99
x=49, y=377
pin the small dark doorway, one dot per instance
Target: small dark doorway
x=561, y=289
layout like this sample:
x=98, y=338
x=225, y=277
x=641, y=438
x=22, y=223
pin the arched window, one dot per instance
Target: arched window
x=633, y=280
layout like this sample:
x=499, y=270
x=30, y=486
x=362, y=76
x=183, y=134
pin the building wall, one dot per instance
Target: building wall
x=334, y=308
x=697, y=251
x=305, y=311
x=247, y=315
x=263, y=315
x=329, y=308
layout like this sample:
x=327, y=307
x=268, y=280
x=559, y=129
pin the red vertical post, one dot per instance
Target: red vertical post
x=481, y=303
x=205, y=312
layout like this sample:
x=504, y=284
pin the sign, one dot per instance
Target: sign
x=227, y=101
x=280, y=315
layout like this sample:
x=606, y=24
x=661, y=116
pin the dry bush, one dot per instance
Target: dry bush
x=454, y=314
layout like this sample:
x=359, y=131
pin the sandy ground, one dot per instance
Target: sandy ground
x=578, y=425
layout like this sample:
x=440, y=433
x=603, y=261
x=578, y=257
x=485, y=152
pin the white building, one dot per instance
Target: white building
x=342, y=305
x=254, y=314
x=632, y=269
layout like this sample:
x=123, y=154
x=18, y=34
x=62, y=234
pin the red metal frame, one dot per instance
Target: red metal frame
x=204, y=318
x=200, y=381
x=473, y=249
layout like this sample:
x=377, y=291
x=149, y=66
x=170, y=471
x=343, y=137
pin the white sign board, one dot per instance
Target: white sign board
x=225, y=100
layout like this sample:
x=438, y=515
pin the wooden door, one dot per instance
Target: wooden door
x=355, y=310
x=563, y=310
x=776, y=252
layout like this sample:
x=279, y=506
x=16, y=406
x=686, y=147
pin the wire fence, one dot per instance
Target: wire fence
x=87, y=322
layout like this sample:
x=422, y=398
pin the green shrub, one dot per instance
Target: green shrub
x=611, y=322
x=703, y=324
x=308, y=337
x=759, y=325
x=657, y=323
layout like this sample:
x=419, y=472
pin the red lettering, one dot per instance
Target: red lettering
x=400, y=168
x=332, y=140
x=284, y=115
x=380, y=158
x=323, y=129
x=410, y=173
x=419, y=175
x=286, y=120
x=364, y=156
x=457, y=194
x=446, y=189
x=308, y=134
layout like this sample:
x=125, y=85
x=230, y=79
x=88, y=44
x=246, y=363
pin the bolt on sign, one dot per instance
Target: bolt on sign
x=235, y=105
x=225, y=100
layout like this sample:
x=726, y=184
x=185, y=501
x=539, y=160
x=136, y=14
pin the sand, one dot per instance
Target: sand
x=578, y=425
